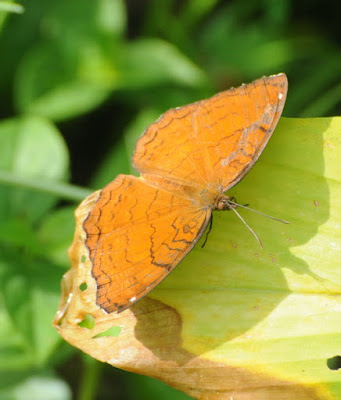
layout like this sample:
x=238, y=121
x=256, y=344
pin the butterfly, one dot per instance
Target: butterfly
x=139, y=229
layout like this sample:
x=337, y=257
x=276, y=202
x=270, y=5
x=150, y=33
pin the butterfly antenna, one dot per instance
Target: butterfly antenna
x=259, y=212
x=248, y=226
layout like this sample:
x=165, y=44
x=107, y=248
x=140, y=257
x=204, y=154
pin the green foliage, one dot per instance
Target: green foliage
x=63, y=62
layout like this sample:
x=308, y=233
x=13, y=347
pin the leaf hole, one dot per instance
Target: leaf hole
x=83, y=286
x=83, y=258
x=87, y=322
x=334, y=363
x=113, y=331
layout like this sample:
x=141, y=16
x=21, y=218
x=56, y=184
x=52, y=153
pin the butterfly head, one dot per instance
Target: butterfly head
x=224, y=203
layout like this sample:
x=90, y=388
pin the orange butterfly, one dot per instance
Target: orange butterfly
x=141, y=228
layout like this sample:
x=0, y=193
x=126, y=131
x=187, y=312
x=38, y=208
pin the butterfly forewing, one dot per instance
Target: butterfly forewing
x=213, y=142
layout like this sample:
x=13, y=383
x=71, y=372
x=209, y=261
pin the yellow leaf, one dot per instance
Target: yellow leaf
x=234, y=321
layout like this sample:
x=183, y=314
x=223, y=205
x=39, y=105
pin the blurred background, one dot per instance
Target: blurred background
x=79, y=83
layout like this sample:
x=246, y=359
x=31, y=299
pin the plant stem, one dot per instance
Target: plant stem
x=57, y=188
x=90, y=378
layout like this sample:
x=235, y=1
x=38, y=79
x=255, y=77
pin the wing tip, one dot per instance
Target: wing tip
x=279, y=79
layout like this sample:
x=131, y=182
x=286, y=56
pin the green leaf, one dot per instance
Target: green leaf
x=118, y=161
x=50, y=83
x=55, y=235
x=146, y=388
x=38, y=388
x=30, y=147
x=30, y=290
x=73, y=20
x=18, y=232
x=114, y=163
x=14, y=355
x=60, y=79
x=150, y=62
x=112, y=16
x=87, y=322
x=9, y=6
x=113, y=331
x=70, y=71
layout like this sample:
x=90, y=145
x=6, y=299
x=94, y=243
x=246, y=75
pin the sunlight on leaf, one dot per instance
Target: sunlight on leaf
x=235, y=320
